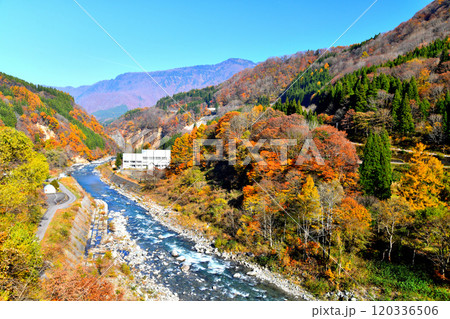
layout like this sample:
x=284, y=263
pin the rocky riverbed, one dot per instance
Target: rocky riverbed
x=202, y=245
x=124, y=250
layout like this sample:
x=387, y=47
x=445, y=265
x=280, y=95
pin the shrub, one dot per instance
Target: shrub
x=125, y=269
x=220, y=242
x=56, y=158
x=7, y=115
x=409, y=283
x=55, y=184
x=317, y=286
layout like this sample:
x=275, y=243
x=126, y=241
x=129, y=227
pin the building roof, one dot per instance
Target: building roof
x=49, y=189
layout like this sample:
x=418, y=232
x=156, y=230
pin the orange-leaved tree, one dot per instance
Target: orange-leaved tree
x=352, y=231
x=78, y=285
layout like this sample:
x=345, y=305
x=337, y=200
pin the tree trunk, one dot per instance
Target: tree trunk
x=390, y=248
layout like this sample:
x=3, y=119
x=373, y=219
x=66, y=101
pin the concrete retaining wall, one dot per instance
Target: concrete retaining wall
x=124, y=183
x=79, y=233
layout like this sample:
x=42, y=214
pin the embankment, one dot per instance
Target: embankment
x=123, y=183
x=79, y=233
x=67, y=235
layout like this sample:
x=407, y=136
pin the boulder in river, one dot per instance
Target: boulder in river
x=185, y=267
x=237, y=275
x=181, y=258
x=175, y=253
x=161, y=237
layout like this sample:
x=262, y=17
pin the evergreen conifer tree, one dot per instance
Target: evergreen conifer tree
x=367, y=170
x=424, y=106
x=384, y=82
x=446, y=115
x=385, y=174
x=413, y=93
x=396, y=103
x=291, y=107
x=278, y=106
x=445, y=56
x=360, y=97
x=404, y=117
x=373, y=90
x=375, y=171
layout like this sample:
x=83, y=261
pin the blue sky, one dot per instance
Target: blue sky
x=54, y=42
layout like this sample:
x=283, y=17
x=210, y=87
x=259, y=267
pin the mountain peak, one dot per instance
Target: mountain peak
x=137, y=89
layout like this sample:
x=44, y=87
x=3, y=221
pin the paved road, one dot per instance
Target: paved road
x=399, y=161
x=55, y=201
x=406, y=150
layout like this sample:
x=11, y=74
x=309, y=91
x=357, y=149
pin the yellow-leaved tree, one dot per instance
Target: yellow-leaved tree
x=309, y=210
x=353, y=229
x=22, y=172
x=421, y=186
x=392, y=214
x=182, y=150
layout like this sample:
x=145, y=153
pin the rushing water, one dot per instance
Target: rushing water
x=209, y=278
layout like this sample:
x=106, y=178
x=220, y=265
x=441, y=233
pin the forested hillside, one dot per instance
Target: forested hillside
x=273, y=76
x=329, y=224
x=170, y=115
x=23, y=259
x=358, y=219
x=409, y=96
x=333, y=171
x=50, y=118
x=413, y=52
x=22, y=172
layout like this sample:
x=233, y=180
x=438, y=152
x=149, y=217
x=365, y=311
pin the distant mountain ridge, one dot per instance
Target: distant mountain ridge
x=137, y=89
x=107, y=116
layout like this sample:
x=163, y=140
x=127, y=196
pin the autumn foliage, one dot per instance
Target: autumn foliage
x=78, y=285
x=51, y=119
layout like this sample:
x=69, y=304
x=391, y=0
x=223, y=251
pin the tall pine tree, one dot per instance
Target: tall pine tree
x=404, y=117
x=360, y=97
x=368, y=168
x=396, y=103
x=375, y=171
x=413, y=92
x=446, y=115
x=385, y=177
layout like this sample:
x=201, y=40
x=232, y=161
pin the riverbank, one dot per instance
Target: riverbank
x=64, y=248
x=167, y=217
x=117, y=243
x=64, y=241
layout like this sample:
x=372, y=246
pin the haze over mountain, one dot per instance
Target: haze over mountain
x=136, y=89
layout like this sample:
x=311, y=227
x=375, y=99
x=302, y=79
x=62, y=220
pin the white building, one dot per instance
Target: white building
x=148, y=159
x=49, y=189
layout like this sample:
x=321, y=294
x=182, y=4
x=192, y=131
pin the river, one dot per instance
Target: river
x=209, y=278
